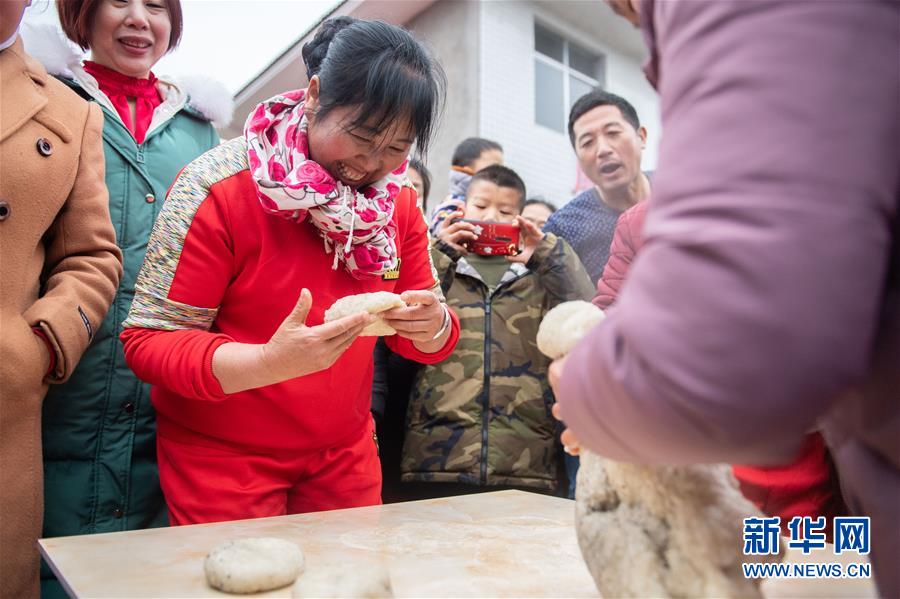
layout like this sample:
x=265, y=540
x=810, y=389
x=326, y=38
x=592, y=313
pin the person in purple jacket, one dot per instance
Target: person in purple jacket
x=766, y=301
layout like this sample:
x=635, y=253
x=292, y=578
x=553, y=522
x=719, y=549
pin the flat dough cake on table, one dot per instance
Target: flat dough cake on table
x=253, y=565
x=373, y=303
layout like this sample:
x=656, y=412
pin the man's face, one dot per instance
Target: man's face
x=608, y=148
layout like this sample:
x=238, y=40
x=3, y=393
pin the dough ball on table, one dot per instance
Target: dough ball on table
x=373, y=303
x=253, y=565
x=565, y=325
x=362, y=581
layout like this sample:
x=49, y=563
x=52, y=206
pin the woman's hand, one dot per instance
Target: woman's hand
x=294, y=350
x=530, y=236
x=421, y=320
x=571, y=444
x=455, y=233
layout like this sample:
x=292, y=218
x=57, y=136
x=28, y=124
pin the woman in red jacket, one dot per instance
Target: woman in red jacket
x=263, y=409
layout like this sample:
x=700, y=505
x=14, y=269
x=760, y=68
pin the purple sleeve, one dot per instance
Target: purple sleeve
x=754, y=303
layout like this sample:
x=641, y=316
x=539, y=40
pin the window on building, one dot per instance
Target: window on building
x=563, y=72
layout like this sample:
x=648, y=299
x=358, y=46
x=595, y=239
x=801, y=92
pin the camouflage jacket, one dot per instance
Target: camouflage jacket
x=482, y=416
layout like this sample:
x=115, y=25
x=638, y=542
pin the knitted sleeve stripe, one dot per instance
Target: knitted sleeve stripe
x=152, y=307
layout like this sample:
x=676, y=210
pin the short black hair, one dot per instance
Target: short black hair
x=381, y=69
x=471, y=148
x=542, y=202
x=597, y=97
x=501, y=176
x=426, y=179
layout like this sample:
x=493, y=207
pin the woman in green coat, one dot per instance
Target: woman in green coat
x=99, y=431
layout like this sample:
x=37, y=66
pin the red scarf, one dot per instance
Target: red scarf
x=118, y=88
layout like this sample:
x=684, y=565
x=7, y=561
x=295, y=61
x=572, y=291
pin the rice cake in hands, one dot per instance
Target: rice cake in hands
x=373, y=303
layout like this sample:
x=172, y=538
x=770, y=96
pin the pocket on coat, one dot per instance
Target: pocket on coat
x=25, y=360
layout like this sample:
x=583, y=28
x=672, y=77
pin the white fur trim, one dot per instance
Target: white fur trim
x=208, y=97
x=47, y=44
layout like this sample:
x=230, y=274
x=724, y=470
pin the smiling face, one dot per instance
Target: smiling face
x=360, y=156
x=491, y=202
x=130, y=36
x=608, y=148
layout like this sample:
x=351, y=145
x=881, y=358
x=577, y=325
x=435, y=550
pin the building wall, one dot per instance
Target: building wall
x=451, y=31
x=542, y=156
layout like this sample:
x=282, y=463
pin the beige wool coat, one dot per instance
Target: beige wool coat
x=59, y=268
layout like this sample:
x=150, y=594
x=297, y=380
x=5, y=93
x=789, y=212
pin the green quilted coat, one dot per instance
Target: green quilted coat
x=99, y=429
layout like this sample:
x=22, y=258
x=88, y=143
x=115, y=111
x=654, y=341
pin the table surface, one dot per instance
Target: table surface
x=501, y=544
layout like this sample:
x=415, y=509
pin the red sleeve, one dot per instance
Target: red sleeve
x=417, y=272
x=180, y=361
x=188, y=267
x=808, y=486
x=625, y=243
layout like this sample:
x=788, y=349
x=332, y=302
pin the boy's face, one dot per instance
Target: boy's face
x=487, y=201
x=486, y=159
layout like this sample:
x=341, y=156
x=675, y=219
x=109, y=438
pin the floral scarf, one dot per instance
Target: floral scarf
x=354, y=223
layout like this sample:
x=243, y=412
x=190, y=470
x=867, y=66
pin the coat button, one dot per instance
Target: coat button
x=44, y=147
x=4, y=210
x=129, y=408
x=118, y=512
x=149, y=198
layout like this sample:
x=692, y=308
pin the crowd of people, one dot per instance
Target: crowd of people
x=165, y=355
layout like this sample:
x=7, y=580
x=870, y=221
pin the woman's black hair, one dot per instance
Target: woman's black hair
x=426, y=179
x=380, y=68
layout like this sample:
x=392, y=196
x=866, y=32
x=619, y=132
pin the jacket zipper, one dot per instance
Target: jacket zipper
x=486, y=392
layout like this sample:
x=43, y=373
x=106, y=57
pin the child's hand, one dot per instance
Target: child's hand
x=570, y=442
x=455, y=233
x=530, y=236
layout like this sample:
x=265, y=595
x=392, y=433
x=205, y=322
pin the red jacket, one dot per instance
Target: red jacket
x=627, y=240
x=220, y=269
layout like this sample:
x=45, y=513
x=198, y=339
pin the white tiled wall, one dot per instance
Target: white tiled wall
x=544, y=157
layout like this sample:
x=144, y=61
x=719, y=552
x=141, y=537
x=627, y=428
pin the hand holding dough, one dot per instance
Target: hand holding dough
x=373, y=303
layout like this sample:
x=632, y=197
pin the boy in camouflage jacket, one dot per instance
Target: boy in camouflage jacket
x=482, y=416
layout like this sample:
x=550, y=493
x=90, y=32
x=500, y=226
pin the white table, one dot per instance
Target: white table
x=502, y=544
